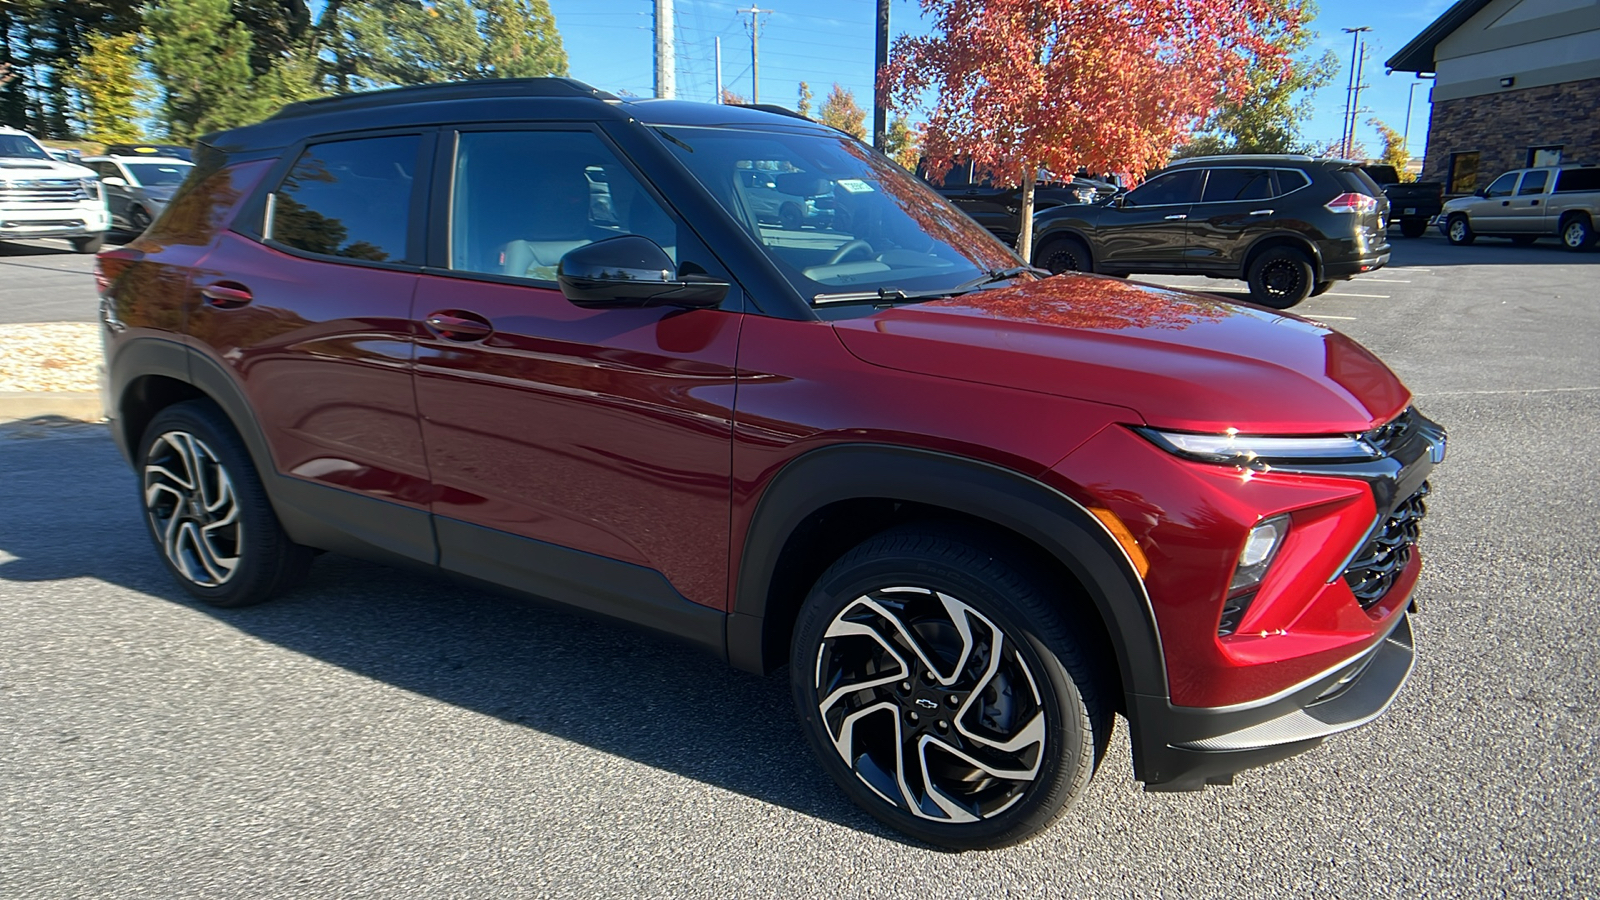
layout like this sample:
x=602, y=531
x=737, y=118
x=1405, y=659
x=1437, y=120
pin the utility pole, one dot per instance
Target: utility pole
x=718, y=42
x=880, y=98
x=666, y=57
x=1348, y=137
x=755, y=49
x=1355, y=112
x=1405, y=135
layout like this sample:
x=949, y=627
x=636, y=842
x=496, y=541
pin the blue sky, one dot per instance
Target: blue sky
x=609, y=44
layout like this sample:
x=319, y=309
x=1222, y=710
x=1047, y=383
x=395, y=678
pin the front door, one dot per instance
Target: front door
x=1492, y=213
x=571, y=448
x=1147, y=229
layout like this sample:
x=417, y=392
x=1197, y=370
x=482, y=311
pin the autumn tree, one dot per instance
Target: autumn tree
x=729, y=98
x=803, y=107
x=1394, y=148
x=1111, y=85
x=1267, y=116
x=840, y=111
x=901, y=144
x=110, y=85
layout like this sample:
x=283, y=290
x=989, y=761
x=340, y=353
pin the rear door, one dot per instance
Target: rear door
x=1234, y=208
x=1148, y=229
x=1528, y=205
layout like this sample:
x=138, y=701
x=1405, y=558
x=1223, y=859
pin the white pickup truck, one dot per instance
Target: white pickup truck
x=1527, y=204
x=41, y=197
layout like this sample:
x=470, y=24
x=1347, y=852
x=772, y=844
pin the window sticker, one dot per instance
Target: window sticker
x=854, y=185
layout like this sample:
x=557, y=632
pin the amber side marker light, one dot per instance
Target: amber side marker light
x=1124, y=537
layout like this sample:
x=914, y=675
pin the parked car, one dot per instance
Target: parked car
x=978, y=512
x=41, y=197
x=771, y=196
x=1527, y=204
x=997, y=208
x=137, y=189
x=1411, y=203
x=165, y=151
x=1290, y=225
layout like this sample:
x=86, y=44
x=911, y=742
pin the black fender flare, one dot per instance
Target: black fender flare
x=1038, y=512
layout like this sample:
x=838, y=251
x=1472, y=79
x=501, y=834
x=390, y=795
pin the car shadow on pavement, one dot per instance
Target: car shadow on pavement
x=69, y=509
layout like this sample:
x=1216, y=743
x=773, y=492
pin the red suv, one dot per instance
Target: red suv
x=533, y=335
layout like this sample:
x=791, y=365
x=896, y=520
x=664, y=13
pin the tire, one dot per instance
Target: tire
x=216, y=533
x=1322, y=288
x=1577, y=233
x=1524, y=240
x=1065, y=254
x=1042, y=695
x=90, y=244
x=138, y=219
x=1281, y=277
x=790, y=217
x=1413, y=227
x=1458, y=231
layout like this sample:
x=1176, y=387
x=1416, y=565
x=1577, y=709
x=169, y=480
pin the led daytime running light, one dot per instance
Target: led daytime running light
x=1244, y=450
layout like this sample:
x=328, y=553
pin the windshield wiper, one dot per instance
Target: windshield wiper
x=891, y=295
x=996, y=275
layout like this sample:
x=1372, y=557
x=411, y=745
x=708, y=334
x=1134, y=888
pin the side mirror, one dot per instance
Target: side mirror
x=630, y=271
x=1481, y=192
x=113, y=181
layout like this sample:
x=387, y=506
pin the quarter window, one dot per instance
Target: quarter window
x=1291, y=180
x=524, y=199
x=350, y=199
x=1237, y=184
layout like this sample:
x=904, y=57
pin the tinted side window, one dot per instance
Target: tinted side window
x=1533, y=183
x=1291, y=180
x=1168, y=188
x=1357, y=182
x=1503, y=186
x=1237, y=184
x=349, y=199
x=523, y=199
x=1570, y=181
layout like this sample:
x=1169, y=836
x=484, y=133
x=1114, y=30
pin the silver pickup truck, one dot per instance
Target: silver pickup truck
x=1527, y=204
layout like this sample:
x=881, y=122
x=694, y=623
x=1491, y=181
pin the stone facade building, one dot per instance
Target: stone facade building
x=1516, y=83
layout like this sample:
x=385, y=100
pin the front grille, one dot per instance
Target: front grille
x=1373, y=570
x=1386, y=436
x=43, y=190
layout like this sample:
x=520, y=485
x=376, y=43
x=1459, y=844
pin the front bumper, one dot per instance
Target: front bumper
x=25, y=224
x=1186, y=748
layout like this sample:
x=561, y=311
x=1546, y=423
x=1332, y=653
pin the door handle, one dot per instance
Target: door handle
x=1534, y=203
x=1505, y=202
x=1176, y=216
x=1260, y=212
x=226, y=295
x=456, y=325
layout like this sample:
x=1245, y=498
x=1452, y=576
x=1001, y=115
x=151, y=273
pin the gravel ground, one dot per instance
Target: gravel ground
x=54, y=356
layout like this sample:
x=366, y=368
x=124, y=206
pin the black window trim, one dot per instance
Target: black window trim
x=252, y=215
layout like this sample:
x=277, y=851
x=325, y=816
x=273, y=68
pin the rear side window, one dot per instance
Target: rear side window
x=349, y=199
x=1237, y=184
x=1569, y=181
x=1533, y=183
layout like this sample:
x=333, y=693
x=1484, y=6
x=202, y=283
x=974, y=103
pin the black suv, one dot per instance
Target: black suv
x=1290, y=225
x=996, y=208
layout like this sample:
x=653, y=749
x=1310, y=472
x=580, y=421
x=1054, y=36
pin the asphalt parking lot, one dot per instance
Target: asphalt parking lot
x=383, y=734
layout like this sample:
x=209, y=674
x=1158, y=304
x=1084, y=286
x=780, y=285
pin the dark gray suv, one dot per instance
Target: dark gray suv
x=1290, y=225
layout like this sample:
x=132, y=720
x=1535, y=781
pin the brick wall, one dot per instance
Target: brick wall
x=1502, y=126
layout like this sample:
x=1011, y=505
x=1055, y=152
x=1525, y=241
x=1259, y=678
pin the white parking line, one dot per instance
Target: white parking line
x=1371, y=296
x=1340, y=318
x=1384, y=281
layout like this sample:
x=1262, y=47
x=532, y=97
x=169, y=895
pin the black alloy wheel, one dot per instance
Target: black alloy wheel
x=1577, y=233
x=1322, y=288
x=940, y=687
x=208, y=512
x=1281, y=277
x=1413, y=227
x=1064, y=255
x=1458, y=231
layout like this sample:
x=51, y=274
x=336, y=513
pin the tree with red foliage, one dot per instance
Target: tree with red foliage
x=1112, y=85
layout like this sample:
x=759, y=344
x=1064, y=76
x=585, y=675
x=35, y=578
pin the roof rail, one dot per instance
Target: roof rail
x=449, y=90
x=775, y=108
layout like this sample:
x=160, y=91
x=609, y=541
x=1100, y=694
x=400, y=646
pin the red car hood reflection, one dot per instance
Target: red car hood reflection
x=1182, y=361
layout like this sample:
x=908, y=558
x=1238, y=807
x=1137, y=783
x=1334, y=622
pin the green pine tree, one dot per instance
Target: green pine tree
x=201, y=57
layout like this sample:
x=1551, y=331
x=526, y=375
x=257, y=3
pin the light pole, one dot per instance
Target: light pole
x=1405, y=137
x=1352, y=91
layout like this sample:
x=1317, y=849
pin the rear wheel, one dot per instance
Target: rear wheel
x=139, y=219
x=1413, y=227
x=1322, y=288
x=790, y=217
x=1281, y=277
x=208, y=512
x=90, y=244
x=942, y=690
x=1577, y=233
x=1458, y=231
x=1064, y=255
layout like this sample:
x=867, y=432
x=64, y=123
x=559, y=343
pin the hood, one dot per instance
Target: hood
x=13, y=169
x=1183, y=361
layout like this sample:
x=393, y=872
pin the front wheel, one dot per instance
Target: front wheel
x=1322, y=288
x=90, y=244
x=1413, y=227
x=1577, y=233
x=1064, y=255
x=1281, y=277
x=1458, y=231
x=208, y=512
x=940, y=687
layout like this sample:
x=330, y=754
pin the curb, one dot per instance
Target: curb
x=80, y=405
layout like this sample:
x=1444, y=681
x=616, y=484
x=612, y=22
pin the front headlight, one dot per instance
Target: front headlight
x=1255, y=450
x=91, y=186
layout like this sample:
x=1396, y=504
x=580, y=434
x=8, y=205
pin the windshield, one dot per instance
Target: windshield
x=158, y=174
x=20, y=146
x=836, y=218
